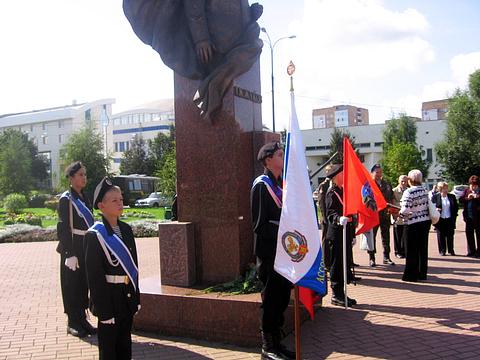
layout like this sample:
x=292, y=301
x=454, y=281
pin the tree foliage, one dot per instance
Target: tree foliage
x=458, y=151
x=21, y=167
x=136, y=159
x=336, y=144
x=86, y=145
x=400, y=151
x=168, y=173
x=160, y=146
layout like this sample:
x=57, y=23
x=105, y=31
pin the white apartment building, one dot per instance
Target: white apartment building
x=369, y=141
x=50, y=128
x=145, y=120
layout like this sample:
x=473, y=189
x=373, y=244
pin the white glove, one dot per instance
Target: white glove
x=109, y=321
x=343, y=220
x=138, y=308
x=72, y=263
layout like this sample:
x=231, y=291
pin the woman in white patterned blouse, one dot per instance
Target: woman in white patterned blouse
x=414, y=208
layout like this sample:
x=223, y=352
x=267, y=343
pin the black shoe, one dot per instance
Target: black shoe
x=442, y=254
x=452, y=253
x=75, y=329
x=340, y=301
x=387, y=261
x=269, y=351
x=88, y=327
x=281, y=349
x=356, y=278
x=372, y=263
x=400, y=256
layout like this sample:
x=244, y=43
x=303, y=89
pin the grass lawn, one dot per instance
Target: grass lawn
x=52, y=217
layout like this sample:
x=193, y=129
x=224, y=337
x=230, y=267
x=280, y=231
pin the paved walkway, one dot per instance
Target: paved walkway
x=435, y=319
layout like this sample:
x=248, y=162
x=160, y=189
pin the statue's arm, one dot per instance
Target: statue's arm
x=197, y=22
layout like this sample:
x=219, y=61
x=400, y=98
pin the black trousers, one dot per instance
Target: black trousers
x=74, y=287
x=115, y=340
x=445, y=230
x=275, y=295
x=336, y=258
x=399, y=239
x=385, y=232
x=416, y=249
x=325, y=247
x=472, y=230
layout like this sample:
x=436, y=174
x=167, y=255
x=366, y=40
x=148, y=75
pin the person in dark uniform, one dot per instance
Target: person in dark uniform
x=75, y=217
x=112, y=274
x=266, y=201
x=322, y=191
x=336, y=220
x=384, y=217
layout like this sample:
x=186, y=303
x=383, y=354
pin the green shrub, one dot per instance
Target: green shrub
x=15, y=202
x=38, y=200
x=29, y=219
x=52, y=204
x=27, y=233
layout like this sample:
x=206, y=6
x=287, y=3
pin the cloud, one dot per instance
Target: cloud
x=463, y=65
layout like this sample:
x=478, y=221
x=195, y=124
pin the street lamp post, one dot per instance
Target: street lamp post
x=272, y=46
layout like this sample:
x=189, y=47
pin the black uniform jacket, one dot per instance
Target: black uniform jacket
x=474, y=203
x=66, y=245
x=110, y=300
x=334, y=210
x=265, y=217
x=437, y=200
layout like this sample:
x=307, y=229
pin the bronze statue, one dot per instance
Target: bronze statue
x=214, y=41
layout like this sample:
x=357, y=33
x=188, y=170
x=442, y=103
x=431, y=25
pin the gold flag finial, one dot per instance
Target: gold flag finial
x=290, y=71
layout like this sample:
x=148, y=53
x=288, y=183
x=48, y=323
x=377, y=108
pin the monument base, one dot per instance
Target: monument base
x=189, y=312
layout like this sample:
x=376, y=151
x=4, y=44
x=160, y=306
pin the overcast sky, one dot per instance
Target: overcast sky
x=387, y=56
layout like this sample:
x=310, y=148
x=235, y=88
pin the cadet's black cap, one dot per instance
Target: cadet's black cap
x=375, y=167
x=73, y=168
x=100, y=191
x=268, y=150
x=333, y=170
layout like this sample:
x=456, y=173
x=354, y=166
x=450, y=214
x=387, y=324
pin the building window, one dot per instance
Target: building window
x=122, y=146
x=116, y=147
x=60, y=138
x=362, y=158
x=31, y=127
x=60, y=124
x=44, y=126
x=429, y=155
x=88, y=115
x=127, y=145
x=44, y=140
x=379, y=143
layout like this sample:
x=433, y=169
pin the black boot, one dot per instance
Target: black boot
x=74, y=327
x=269, y=352
x=277, y=342
x=85, y=324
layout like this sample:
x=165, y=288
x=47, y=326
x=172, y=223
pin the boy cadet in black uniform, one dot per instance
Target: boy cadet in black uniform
x=266, y=201
x=75, y=217
x=112, y=273
x=335, y=218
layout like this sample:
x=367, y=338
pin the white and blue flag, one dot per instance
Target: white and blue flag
x=299, y=253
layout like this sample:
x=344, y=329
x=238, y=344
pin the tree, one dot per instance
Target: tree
x=160, y=146
x=400, y=151
x=336, y=144
x=168, y=173
x=86, y=145
x=457, y=152
x=15, y=163
x=399, y=130
x=400, y=158
x=136, y=160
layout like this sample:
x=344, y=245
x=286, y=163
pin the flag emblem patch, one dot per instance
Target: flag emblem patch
x=368, y=198
x=295, y=245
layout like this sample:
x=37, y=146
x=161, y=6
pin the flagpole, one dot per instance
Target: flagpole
x=297, y=324
x=290, y=71
x=345, y=264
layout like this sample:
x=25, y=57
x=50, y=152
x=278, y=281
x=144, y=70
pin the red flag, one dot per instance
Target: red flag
x=361, y=194
x=308, y=297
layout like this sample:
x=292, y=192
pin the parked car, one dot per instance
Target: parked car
x=155, y=199
x=458, y=190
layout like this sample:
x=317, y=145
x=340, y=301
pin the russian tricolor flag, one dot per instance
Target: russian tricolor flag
x=299, y=253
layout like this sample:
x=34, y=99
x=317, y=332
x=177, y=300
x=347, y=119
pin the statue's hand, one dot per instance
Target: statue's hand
x=205, y=51
x=256, y=10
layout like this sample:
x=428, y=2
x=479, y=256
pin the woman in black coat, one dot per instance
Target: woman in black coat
x=447, y=206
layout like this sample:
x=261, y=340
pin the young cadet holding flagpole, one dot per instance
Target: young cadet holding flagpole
x=112, y=273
